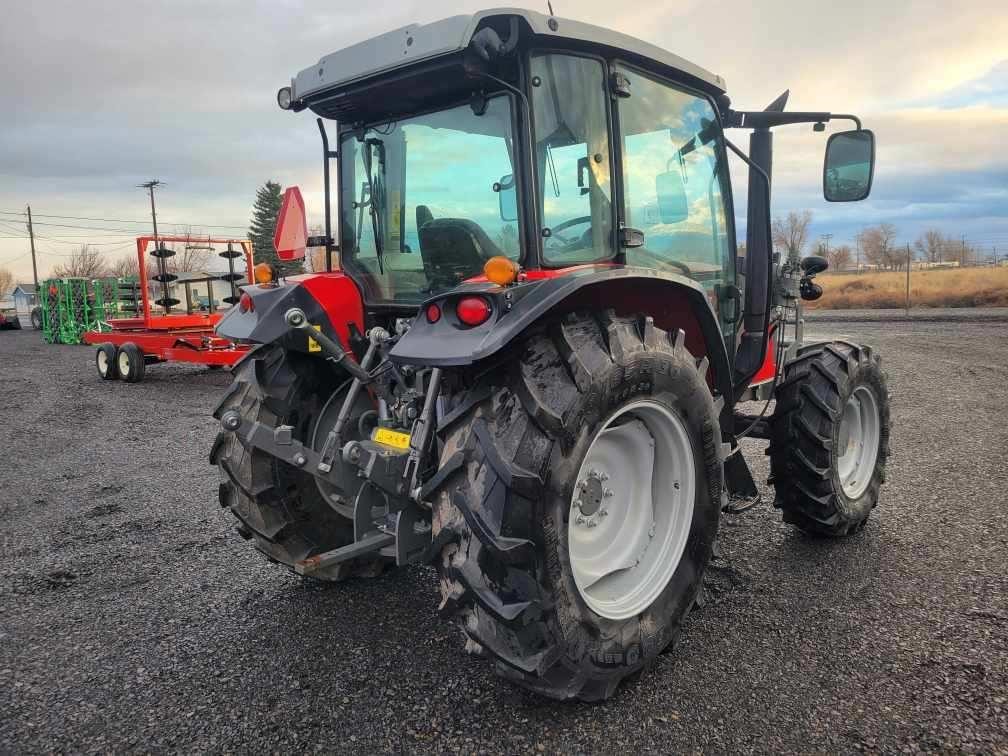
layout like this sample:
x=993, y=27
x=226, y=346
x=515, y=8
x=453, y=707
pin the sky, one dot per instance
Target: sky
x=101, y=96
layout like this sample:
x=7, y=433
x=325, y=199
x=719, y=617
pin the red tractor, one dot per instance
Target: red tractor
x=529, y=368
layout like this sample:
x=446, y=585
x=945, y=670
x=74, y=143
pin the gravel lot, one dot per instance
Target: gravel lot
x=132, y=618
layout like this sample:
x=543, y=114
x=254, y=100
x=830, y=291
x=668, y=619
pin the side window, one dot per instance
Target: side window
x=672, y=178
x=572, y=157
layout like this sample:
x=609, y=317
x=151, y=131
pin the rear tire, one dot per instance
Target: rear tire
x=517, y=441
x=106, y=361
x=820, y=489
x=131, y=363
x=278, y=506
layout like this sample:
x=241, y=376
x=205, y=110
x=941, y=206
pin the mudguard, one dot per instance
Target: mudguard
x=331, y=301
x=673, y=301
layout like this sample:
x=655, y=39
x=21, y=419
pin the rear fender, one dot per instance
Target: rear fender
x=674, y=301
x=331, y=301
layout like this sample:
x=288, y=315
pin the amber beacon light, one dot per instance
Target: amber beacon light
x=500, y=270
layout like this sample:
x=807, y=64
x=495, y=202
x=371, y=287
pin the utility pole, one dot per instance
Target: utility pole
x=857, y=245
x=162, y=275
x=827, y=237
x=149, y=186
x=908, y=280
x=962, y=254
x=31, y=236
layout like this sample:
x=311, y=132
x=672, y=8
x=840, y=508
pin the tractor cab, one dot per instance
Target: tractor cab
x=513, y=134
x=554, y=144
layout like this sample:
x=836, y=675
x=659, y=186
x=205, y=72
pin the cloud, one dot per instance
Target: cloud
x=101, y=95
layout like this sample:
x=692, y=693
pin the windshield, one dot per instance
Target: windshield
x=427, y=200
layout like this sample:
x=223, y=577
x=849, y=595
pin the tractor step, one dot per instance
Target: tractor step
x=367, y=545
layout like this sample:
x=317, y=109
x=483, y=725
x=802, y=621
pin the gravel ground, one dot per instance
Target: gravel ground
x=132, y=618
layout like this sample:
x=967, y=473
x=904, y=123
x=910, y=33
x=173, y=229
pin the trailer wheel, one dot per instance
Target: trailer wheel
x=829, y=438
x=279, y=507
x=131, y=363
x=584, y=504
x=106, y=361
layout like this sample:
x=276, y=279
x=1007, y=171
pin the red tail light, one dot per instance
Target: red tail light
x=473, y=311
x=433, y=313
x=245, y=304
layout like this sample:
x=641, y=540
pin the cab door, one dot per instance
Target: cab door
x=676, y=189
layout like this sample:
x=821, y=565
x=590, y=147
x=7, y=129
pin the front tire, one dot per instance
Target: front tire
x=829, y=438
x=518, y=442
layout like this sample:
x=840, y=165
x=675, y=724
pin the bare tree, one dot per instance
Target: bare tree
x=932, y=245
x=126, y=267
x=190, y=256
x=790, y=234
x=840, y=257
x=84, y=262
x=6, y=281
x=878, y=243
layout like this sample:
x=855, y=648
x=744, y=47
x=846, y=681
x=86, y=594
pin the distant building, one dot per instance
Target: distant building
x=25, y=298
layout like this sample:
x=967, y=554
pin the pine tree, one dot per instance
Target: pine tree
x=263, y=226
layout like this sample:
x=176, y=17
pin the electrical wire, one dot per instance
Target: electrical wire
x=114, y=220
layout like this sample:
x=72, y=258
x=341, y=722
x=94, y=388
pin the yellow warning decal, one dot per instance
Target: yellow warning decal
x=314, y=346
x=392, y=438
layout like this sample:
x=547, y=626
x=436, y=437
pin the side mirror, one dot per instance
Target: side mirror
x=507, y=198
x=813, y=265
x=673, y=207
x=291, y=235
x=849, y=166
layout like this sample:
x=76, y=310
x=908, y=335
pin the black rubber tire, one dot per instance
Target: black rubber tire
x=804, y=437
x=512, y=445
x=112, y=364
x=279, y=507
x=36, y=319
x=136, y=366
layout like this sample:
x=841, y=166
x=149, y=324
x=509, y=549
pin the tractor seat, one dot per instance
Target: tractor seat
x=453, y=249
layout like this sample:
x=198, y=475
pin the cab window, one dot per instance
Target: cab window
x=572, y=158
x=674, y=183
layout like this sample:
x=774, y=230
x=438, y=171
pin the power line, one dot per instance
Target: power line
x=119, y=220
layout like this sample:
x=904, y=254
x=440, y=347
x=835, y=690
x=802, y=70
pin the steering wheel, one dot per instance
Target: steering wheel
x=555, y=230
x=682, y=266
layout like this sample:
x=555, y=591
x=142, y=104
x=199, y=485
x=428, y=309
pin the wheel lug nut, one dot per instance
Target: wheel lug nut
x=608, y=493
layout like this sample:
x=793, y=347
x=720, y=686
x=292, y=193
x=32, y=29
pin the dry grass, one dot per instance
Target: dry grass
x=969, y=287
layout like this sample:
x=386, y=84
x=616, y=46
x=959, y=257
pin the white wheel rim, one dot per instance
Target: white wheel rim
x=631, y=509
x=858, y=442
x=103, y=364
x=123, y=363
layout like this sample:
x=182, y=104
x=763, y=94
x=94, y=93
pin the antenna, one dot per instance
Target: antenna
x=550, y=6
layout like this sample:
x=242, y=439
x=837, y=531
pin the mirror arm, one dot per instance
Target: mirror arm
x=763, y=119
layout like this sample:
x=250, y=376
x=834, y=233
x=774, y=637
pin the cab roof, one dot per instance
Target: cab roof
x=412, y=44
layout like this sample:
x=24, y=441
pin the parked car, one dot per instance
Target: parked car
x=9, y=318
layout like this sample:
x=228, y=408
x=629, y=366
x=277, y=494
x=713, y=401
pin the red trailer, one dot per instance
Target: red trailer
x=179, y=331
